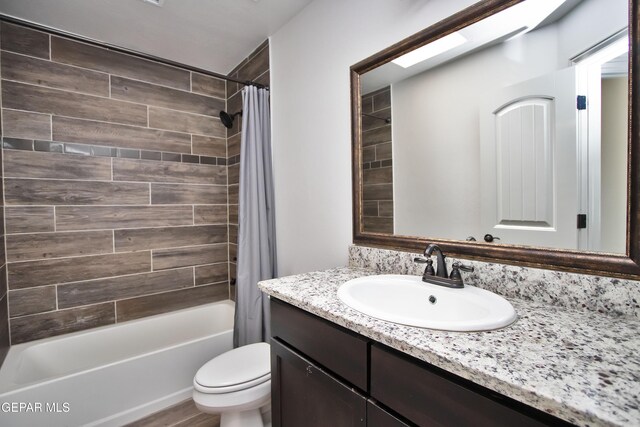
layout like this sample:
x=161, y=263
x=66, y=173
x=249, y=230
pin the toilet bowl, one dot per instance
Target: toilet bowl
x=236, y=385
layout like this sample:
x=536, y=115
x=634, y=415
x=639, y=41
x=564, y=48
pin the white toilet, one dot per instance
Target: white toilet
x=236, y=385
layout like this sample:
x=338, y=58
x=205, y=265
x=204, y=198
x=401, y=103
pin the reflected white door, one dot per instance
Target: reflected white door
x=529, y=162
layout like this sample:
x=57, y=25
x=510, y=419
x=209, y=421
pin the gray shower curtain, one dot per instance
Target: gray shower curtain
x=256, y=221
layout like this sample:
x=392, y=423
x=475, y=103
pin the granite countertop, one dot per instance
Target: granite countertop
x=581, y=367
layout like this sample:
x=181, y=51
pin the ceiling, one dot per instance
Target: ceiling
x=509, y=23
x=214, y=35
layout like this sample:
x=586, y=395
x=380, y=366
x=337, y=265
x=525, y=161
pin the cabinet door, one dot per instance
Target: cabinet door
x=304, y=395
x=378, y=417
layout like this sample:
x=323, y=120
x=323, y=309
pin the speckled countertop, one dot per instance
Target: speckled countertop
x=581, y=367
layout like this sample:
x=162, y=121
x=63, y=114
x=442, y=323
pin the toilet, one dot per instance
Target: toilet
x=236, y=385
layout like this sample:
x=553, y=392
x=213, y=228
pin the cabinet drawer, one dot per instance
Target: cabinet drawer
x=424, y=396
x=337, y=349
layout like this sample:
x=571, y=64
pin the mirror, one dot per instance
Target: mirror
x=502, y=132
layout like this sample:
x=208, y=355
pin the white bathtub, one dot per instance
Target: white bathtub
x=115, y=374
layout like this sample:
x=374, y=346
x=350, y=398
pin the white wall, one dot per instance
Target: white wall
x=436, y=134
x=310, y=60
x=614, y=160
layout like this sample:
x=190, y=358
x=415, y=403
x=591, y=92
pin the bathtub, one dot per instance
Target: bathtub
x=112, y=375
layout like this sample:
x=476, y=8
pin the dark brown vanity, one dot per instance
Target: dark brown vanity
x=325, y=375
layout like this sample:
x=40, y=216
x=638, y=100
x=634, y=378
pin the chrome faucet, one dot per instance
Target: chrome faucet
x=440, y=276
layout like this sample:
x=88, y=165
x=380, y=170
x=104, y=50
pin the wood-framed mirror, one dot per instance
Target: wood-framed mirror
x=508, y=132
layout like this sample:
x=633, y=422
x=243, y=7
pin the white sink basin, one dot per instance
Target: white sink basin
x=410, y=301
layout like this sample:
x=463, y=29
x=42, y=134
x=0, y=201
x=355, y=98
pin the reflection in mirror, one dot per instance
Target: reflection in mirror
x=513, y=127
x=377, y=161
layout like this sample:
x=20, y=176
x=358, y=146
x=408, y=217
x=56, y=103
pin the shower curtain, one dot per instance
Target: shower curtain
x=256, y=221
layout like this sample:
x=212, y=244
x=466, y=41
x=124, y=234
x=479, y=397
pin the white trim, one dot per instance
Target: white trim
x=588, y=83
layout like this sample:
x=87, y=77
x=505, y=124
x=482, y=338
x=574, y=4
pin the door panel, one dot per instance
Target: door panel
x=529, y=162
x=305, y=395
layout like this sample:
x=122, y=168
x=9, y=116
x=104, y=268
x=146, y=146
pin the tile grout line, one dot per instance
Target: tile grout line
x=3, y=228
x=115, y=301
x=76, y=282
x=122, y=76
x=115, y=100
x=110, y=74
x=107, y=49
x=53, y=61
x=163, y=248
x=116, y=205
x=79, y=156
x=128, y=124
x=92, y=230
x=74, y=92
x=118, y=181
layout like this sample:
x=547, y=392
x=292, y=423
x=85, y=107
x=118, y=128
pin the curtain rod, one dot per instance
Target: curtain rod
x=104, y=45
x=385, y=119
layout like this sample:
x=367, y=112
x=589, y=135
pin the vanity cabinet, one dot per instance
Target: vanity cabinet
x=325, y=375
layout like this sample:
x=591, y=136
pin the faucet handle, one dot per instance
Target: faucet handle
x=429, y=270
x=459, y=266
x=455, y=270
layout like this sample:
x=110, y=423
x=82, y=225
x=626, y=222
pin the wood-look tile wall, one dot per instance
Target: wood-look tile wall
x=377, y=161
x=115, y=178
x=254, y=67
x=4, y=307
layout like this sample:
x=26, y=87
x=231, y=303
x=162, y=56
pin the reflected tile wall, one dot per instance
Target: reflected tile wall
x=377, y=162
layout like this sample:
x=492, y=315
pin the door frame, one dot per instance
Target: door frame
x=588, y=83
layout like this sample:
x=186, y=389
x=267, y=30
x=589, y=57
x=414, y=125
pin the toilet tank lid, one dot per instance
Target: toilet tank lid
x=240, y=365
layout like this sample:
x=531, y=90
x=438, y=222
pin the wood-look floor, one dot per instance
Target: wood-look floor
x=184, y=414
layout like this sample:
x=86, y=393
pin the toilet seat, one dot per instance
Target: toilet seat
x=235, y=370
x=231, y=388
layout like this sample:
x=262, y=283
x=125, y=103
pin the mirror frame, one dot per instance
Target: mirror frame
x=613, y=265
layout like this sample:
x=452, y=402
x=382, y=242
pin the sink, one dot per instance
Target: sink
x=410, y=301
